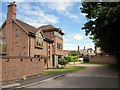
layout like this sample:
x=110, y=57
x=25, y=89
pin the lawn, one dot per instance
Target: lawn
x=89, y=63
x=70, y=69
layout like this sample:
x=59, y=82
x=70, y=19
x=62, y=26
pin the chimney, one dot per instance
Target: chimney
x=9, y=32
x=84, y=47
x=11, y=13
x=78, y=48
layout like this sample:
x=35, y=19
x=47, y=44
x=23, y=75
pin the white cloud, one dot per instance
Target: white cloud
x=59, y=6
x=41, y=0
x=90, y=45
x=78, y=37
x=35, y=14
x=62, y=7
x=83, y=14
x=69, y=46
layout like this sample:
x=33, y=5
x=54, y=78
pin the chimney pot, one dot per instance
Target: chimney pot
x=11, y=11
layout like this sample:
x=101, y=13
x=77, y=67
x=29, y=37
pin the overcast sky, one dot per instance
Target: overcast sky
x=61, y=14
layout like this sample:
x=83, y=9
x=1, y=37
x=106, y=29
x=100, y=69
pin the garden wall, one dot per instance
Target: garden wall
x=103, y=59
x=21, y=67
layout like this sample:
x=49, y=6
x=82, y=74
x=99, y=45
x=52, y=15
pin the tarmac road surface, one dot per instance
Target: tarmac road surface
x=94, y=76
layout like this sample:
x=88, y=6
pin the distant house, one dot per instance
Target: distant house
x=88, y=51
x=98, y=51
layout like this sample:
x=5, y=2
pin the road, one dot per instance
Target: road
x=94, y=76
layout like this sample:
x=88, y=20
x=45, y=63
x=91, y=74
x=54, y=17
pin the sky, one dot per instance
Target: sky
x=64, y=14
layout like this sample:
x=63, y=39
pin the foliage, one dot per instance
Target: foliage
x=74, y=53
x=103, y=25
x=62, y=61
x=71, y=58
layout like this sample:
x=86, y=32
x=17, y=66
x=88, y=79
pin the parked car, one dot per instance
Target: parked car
x=80, y=59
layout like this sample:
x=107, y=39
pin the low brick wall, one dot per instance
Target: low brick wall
x=17, y=68
x=103, y=59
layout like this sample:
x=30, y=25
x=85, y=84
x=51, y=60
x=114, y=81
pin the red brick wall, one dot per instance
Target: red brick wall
x=14, y=68
x=50, y=61
x=58, y=40
x=48, y=34
x=23, y=42
x=37, y=51
x=103, y=59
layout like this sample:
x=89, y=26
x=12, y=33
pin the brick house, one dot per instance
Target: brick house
x=21, y=40
x=56, y=35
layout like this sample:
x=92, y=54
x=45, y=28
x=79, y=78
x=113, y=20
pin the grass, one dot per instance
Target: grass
x=88, y=63
x=115, y=66
x=70, y=69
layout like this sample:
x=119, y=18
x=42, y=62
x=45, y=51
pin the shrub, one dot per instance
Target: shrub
x=62, y=61
x=86, y=58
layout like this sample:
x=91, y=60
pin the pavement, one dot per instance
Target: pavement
x=89, y=71
x=33, y=80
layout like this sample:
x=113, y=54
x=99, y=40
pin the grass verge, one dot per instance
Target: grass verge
x=70, y=69
x=89, y=63
x=115, y=66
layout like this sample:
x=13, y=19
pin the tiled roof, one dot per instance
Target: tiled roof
x=49, y=27
x=46, y=27
x=26, y=26
x=30, y=29
x=48, y=40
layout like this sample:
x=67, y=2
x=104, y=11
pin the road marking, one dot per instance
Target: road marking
x=10, y=85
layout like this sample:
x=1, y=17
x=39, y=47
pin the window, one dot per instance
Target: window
x=49, y=47
x=58, y=35
x=49, y=52
x=53, y=33
x=59, y=46
x=49, y=57
x=39, y=40
x=16, y=37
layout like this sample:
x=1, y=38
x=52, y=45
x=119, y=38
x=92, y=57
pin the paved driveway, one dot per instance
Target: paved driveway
x=94, y=76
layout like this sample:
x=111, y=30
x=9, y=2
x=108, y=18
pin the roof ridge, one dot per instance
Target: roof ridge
x=48, y=25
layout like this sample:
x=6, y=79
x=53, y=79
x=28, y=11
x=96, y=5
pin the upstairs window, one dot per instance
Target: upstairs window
x=17, y=32
x=39, y=40
x=53, y=33
x=58, y=35
x=59, y=46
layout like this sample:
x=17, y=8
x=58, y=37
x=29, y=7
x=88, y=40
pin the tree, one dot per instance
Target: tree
x=74, y=53
x=103, y=25
x=75, y=56
x=69, y=58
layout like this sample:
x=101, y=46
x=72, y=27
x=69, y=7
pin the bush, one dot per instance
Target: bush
x=62, y=61
x=86, y=58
